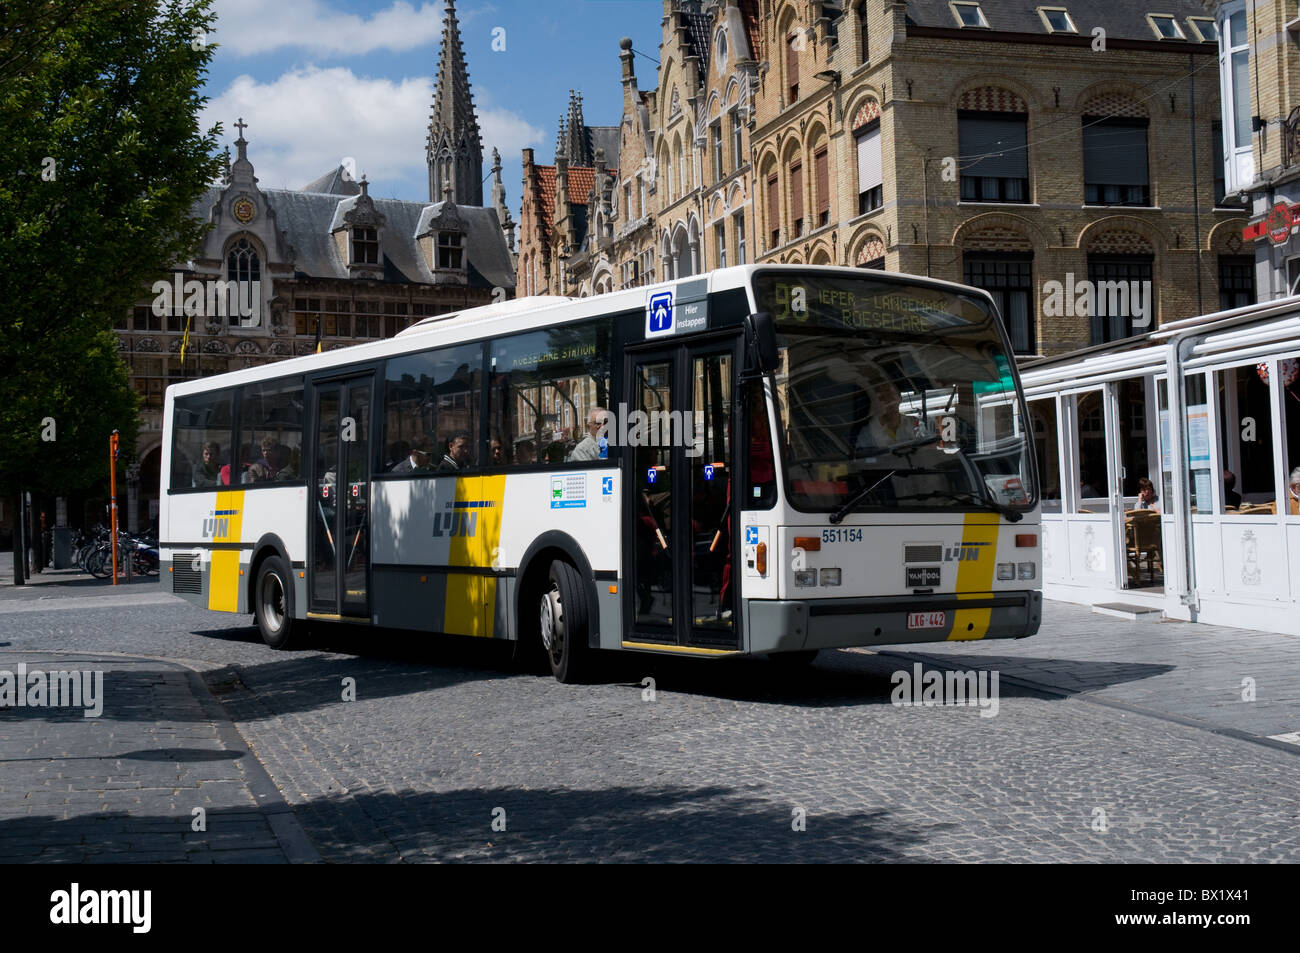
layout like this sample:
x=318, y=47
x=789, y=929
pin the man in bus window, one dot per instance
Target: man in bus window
x=208, y=473
x=418, y=460
x=265, y=469
x=887, y=427
x=458, y=454
x=589, y=447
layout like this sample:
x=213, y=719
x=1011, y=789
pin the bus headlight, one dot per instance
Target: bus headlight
x=1006, y=572
x=805, y=577
x=1027, y=570
x=830, y=577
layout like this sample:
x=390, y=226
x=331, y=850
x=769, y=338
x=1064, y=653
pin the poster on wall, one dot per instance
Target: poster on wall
x=1198, y=435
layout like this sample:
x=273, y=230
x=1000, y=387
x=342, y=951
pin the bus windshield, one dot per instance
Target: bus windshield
x=893, y=397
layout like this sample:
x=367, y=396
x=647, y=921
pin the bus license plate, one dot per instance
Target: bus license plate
x=927, y=620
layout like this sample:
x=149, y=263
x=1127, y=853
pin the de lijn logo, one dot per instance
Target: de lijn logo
x=659, y=314
x=460, y=518
x=964, y=553
x=218, y=524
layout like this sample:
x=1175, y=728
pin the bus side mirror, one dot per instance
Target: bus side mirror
x=760, y=334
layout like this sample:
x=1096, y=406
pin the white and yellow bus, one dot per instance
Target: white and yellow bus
x=763, y=459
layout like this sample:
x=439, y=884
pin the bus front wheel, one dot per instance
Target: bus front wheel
x=273, y=602
x=564, y=620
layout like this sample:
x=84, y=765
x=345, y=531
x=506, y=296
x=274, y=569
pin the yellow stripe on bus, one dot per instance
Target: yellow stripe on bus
x=223, y=580
x=975, y=576
x=469, y=605
x=684, y=649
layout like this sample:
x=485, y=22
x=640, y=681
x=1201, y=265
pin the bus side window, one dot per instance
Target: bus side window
x=761, y=470
x=545, y=384
x=201, y=439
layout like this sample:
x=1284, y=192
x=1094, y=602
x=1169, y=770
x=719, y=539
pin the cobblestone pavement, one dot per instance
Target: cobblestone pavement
x=722, y=764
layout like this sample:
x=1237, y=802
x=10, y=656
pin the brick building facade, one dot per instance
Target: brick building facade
x=995, y=144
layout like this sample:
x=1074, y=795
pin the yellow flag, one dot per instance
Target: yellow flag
x=185, y=341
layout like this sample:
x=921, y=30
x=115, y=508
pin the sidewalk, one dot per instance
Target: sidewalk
x=1183, y=671
x=125, y=786
x=67, y=584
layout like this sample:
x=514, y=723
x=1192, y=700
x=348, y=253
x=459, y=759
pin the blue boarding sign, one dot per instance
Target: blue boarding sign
x=659, y=314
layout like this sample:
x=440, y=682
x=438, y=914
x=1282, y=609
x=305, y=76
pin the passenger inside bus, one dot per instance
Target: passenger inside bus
x=211, y=472
x=458, y=453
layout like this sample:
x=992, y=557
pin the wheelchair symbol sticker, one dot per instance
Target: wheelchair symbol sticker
x=751, y=535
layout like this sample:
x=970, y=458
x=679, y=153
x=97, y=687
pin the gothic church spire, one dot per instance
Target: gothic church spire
x=454, y=149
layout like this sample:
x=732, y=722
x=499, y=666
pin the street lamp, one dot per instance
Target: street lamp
x=834, y=78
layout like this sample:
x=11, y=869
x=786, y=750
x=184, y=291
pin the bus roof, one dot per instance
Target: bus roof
x=523, y=314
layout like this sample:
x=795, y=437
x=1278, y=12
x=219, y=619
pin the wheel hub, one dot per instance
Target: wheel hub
x=552, y=623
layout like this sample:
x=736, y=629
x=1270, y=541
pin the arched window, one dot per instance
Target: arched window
x=243, y=263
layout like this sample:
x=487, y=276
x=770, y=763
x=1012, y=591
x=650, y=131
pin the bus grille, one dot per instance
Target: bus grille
x=185, y=578
x=926, y=553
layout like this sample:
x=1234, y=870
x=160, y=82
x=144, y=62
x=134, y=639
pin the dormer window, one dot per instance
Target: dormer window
x=365, y=245
x=1057, y=20
x=968, y=14
x=1204, y=29
x=451, y=250
x=1165, y=26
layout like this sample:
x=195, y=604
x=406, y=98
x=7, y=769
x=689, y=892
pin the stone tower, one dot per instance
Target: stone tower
x=454, y=149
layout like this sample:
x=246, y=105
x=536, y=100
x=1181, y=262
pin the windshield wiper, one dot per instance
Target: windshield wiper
x=1011, y=514
x=857, y=498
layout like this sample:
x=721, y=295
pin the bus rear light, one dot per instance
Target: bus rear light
x=803, y=578
x=760, y=559
x=809, y=544
x=1006, y=572
x=831, y=577
x=1026, y=539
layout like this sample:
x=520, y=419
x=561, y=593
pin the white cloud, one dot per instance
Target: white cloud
x=250, y=27
x=304, y=123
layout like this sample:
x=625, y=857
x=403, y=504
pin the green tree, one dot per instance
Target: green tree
x=101, y=161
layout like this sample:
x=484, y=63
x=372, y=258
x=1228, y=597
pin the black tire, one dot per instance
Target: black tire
x=564, y=621
x=98, y=564
x=803, y=658
x=273, y=603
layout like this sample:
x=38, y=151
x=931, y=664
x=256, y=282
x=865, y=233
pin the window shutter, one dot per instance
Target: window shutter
x=791, y=62
x=796, y=191
x=869, y=164
x=1114, y=153
x=821, y=169
x=1000, y=140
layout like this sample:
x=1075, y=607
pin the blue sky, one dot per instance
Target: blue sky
x=320, y=80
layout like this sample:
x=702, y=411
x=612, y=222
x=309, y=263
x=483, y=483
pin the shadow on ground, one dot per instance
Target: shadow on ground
x=662, y=824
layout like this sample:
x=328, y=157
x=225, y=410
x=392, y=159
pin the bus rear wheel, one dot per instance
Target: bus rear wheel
x=564, y=619
x=273, y=603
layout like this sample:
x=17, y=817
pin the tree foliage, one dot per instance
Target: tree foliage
x=101, y=162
